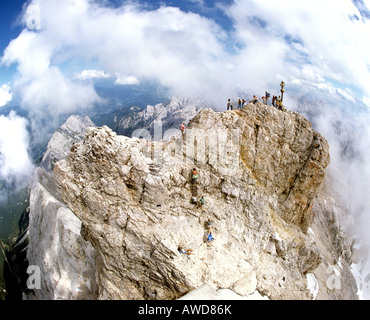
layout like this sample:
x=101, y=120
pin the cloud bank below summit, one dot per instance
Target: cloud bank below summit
x=15, y=163
x=5, y=95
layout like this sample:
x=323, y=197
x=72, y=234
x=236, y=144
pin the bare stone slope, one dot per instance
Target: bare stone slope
x=260, y=170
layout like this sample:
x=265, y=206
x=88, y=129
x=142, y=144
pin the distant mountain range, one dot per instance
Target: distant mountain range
x=170, y=116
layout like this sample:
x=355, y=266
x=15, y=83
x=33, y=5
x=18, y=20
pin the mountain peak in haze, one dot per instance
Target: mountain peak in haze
x=170, y=116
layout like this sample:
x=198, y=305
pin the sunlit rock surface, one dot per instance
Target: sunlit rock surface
x=120, y=207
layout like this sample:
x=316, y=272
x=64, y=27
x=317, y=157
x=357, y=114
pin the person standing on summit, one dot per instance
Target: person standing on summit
x=239, y=104
x=255, y=99
x=273, y=100
x=229, y=105
x=182, y=127
x=267, y=96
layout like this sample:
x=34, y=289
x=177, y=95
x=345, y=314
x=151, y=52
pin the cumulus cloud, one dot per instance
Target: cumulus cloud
x=348, y=134
x=190, y=54
x=92, y=74
x=129, y=80
x=5, y=95
x=15, y=163
x=41, y=85
x=100, y=74
x=304, y=40
x=182, y=51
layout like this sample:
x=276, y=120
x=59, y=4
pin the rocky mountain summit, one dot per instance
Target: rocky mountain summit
x=107, y=219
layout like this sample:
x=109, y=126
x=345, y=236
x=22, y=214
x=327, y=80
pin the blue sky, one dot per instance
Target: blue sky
x=9, y=11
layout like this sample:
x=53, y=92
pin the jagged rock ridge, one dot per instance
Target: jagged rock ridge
x=66, y=262
x=259, y=181
x=108, y=224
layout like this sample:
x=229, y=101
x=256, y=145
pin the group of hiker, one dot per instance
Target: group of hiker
x=199, y=204
x=240, y=105
x=276, y=102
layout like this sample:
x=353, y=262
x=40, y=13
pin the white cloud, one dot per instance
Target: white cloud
x=366, y=100
x=15, y=163
x=5, y=95
x=41, y=85
x=100, y=74
x=183, y=51
x=186, y=52
x=92, y=74
x=315, y=34
x=346, y=94
x=129, y=80
x=191, y=54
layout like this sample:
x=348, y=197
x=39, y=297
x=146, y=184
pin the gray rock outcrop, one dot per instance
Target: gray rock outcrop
x=260, y=170
x=66, y=262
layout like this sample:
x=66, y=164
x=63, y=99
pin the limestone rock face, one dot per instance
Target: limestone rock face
x=72, y=131
x=281, y=151
x=64, y=260
x=259, y=171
